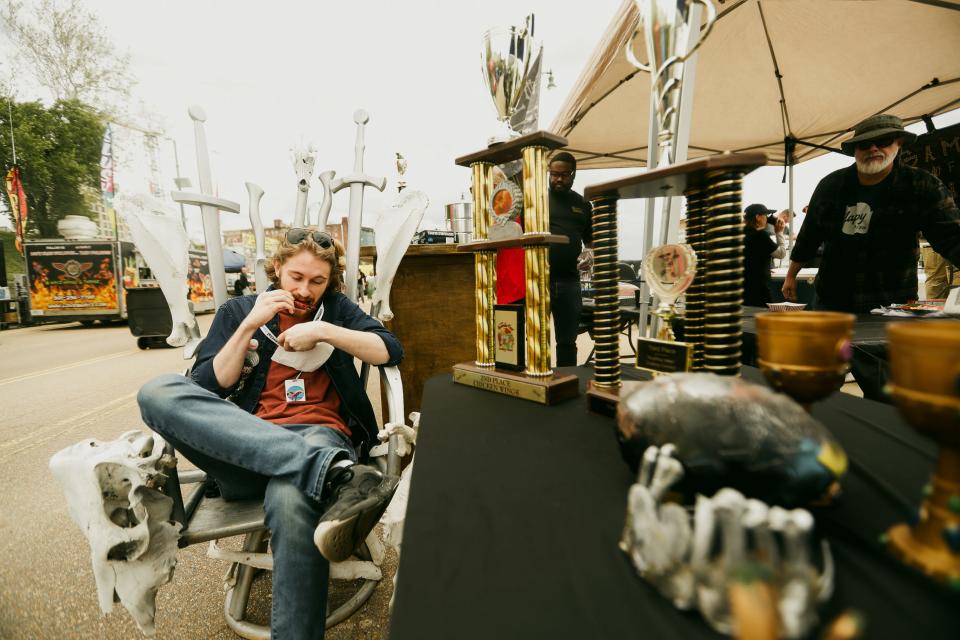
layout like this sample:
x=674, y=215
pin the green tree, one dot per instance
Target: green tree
x=58, y=151
x=61, y=44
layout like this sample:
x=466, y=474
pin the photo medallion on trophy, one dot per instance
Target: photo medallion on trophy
x=513, y=341
x=506, y=207
x=669, y=271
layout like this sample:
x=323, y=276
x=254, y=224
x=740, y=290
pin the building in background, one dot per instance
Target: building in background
x=243, y=242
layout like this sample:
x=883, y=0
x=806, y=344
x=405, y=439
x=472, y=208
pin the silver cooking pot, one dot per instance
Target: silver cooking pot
x=459, y=217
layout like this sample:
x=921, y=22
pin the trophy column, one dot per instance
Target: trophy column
x=484, y=263
x=534, y=379
x=606, y=313
x=724, y=275
x=696, y=294
x=536, y=221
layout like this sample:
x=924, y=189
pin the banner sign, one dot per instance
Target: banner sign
x=72, y=278
x=18, y=204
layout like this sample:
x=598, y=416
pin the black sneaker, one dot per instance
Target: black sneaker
x=356, y=497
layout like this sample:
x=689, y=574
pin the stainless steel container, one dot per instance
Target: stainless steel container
x=459, y=217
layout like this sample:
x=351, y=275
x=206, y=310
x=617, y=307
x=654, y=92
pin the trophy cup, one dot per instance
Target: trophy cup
x=665, y=26
x=509, y=55
x=804, y=354
x=669, y=270
x=925, y=371
x=511, y=68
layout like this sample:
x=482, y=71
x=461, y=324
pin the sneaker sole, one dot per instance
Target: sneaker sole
x=338, y=539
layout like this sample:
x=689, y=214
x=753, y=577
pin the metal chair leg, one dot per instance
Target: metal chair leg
x=237, y=596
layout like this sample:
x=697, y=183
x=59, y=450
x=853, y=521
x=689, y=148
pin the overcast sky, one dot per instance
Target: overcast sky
x=278, y=74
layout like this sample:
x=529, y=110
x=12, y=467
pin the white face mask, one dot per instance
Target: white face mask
x=304, y=361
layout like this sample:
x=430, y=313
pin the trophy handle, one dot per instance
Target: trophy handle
x=711, y=19
x=632, y=58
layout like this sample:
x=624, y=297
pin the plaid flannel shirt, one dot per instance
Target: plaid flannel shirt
x=870, y=251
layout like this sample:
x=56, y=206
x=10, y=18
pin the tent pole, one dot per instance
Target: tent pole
x=790, y=188
x=649, y=213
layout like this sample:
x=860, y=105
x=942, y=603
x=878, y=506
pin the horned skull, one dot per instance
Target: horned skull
x=111, y=495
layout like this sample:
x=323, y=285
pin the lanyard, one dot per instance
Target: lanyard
x=267, y=332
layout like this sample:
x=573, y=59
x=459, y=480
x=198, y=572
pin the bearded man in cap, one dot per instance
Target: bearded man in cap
x=868, y=217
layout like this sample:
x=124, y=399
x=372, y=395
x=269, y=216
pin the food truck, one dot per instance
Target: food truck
x=79, y=279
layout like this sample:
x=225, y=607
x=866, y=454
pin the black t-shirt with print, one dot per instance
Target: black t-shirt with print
x=869, y=235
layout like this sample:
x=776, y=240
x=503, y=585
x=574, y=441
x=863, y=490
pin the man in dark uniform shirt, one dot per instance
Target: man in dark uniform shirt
x=570, y=215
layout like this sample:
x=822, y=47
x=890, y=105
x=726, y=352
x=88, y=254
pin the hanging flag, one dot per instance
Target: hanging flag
x=18, y=205
x=106, y=177
x=106, y=167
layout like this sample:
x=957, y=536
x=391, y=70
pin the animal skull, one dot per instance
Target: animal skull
x=111, y=495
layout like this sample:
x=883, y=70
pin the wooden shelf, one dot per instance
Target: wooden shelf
x=674, y=179
x=522, y=241
x=512, y=149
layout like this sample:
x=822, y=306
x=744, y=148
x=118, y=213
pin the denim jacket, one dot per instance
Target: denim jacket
x=355, y=407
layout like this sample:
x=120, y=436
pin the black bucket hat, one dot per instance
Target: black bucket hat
x=874, y=127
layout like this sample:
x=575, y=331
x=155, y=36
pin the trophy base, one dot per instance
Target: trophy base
x=604, y=400
x=548, y=390
x=936, y=561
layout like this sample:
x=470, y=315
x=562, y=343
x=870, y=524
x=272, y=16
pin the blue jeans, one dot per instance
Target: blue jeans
x=249, y=457
x=566, y=305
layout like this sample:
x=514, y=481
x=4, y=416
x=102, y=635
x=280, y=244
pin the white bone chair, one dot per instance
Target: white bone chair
x=210, y=519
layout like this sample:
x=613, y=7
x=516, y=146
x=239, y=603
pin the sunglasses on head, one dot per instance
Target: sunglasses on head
x=322, y=238
x=881, y=143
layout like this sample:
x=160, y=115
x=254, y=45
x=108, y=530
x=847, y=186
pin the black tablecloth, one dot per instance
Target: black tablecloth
x=516, y=509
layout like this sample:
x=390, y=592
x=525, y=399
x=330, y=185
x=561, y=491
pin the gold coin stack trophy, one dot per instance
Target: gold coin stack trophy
x=511, y=65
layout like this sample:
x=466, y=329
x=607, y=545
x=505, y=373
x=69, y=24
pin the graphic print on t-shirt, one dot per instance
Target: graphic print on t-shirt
x=857, y=218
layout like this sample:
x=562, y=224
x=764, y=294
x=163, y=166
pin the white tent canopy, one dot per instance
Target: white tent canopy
x=773, y=69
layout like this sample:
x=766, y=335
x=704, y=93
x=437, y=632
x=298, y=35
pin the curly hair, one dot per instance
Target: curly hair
x=334, y=256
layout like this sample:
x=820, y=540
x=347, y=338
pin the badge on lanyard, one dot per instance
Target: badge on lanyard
x=295, y=390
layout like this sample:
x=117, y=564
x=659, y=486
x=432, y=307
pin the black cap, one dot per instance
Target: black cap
x=756, y=210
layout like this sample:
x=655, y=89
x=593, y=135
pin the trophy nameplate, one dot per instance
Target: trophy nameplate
x=664, y=356
x=669, y=271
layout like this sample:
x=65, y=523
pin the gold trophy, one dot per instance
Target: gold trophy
x=804, y=354
x=925, y=371
x=508, y=56
x=669, y=270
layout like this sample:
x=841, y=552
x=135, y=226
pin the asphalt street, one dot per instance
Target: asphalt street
x=60, y=384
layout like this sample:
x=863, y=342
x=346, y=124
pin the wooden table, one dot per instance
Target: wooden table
x=433, y=304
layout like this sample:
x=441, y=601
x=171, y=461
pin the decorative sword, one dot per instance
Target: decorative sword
x=210, y=207
x=357, y=181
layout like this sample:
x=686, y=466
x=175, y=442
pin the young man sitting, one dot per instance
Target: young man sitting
x=275, y=409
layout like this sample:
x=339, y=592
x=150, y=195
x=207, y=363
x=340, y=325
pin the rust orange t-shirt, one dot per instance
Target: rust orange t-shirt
x=322, y=404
